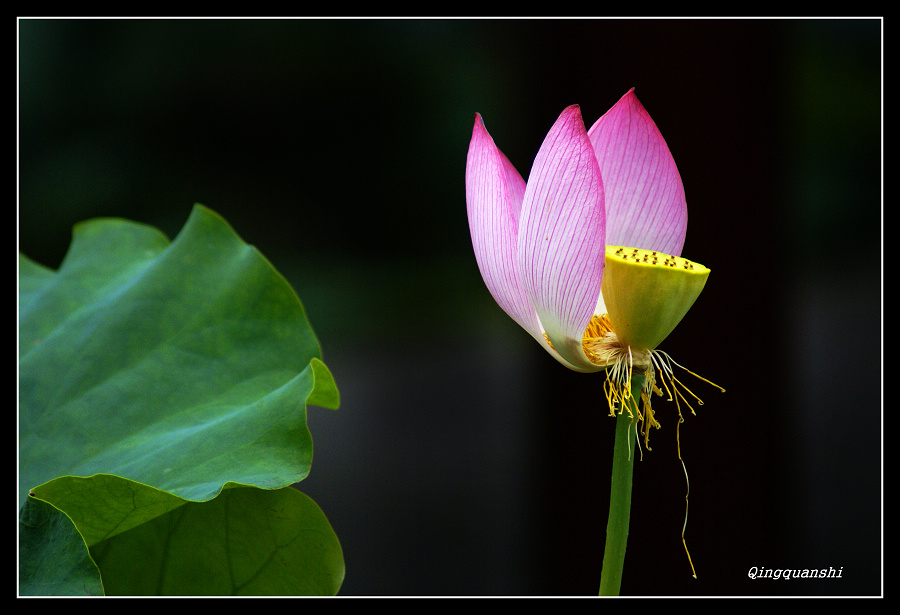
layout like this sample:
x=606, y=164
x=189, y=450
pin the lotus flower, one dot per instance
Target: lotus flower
x=585, y=255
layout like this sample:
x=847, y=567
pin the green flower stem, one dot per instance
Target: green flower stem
x=620, y=494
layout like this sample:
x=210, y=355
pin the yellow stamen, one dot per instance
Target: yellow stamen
x=684, y=527
x=603, y=347
x=594, y=334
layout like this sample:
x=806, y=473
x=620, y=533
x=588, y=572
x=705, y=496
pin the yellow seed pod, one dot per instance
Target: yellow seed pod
x=647, y=293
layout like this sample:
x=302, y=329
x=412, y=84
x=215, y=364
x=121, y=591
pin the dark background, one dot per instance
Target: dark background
x=464, y=460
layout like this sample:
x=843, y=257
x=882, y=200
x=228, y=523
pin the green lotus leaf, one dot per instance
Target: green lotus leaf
x=153, y=375
x=53, y=558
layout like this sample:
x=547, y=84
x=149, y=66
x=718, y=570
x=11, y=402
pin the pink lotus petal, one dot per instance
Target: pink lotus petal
x=494, y=194
x=561, y=235
x=645, y=203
